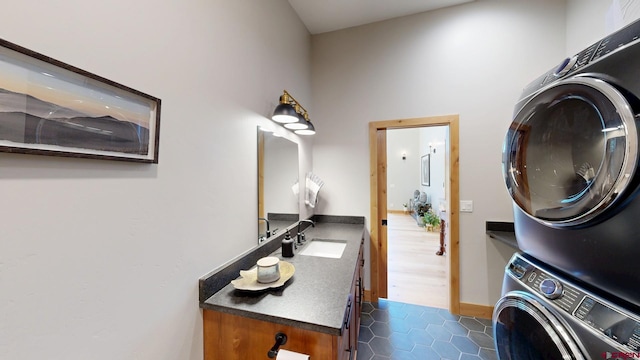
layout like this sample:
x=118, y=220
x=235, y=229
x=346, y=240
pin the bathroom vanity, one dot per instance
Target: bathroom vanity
x=318, y=309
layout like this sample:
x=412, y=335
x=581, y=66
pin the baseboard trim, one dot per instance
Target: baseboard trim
x=466, y=309
x=398, y=212
x=481, y=311
x=367, y=295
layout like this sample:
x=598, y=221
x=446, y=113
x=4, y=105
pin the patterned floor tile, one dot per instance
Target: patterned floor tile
x=393, y=330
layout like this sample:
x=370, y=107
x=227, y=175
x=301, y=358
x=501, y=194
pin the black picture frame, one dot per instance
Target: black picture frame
x=48, y=107
x=425, y=175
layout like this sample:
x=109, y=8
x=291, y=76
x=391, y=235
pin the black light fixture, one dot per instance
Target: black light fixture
x=285, y=113
x=300, y=124
x=310, y=130
x=293, y=115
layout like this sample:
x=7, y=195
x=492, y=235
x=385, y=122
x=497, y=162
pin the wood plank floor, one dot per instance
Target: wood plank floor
x=416, y=275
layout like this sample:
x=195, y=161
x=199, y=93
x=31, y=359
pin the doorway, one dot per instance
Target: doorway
x=378, y=195
x=417, y=204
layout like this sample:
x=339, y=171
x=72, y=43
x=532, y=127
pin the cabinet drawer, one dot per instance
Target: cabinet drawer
x=232, y=337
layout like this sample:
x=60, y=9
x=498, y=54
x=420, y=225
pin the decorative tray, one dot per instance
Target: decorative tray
x=248, y=279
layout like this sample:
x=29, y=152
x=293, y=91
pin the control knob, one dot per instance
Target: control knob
x=565, y=66
x=551, y=288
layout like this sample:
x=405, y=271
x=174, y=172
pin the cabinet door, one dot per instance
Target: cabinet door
x=349, y=331
x=344, y=347
x=232, y=337
x=359, y=284
x=358, y=293
x=353, y=332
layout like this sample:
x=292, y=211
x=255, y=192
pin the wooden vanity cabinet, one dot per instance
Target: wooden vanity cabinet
x=359, y=296
x=347, y=345
x=233, y=337
x=351, y=325
x=359, y=284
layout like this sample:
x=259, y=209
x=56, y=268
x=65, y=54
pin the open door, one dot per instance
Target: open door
x=378, y=183
x=381, y=139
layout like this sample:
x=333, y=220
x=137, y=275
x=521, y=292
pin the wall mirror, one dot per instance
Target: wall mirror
x=278, y=205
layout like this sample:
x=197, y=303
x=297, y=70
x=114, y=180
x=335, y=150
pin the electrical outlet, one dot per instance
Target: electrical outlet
x=466, y=206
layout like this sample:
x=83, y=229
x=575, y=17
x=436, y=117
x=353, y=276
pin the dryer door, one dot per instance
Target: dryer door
x=570, y=152
x=523, y=329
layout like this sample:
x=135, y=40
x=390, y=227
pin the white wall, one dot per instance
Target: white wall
x=433, y=141
x=586, y=23
x=100, y=259
x=630, y=10
x=590, y=20
x=472, y=60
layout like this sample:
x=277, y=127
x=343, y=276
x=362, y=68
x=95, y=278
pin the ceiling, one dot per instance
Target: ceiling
x=328, y=15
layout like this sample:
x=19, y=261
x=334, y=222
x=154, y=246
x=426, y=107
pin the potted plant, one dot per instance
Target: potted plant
x=431, y=220
x=404, y=208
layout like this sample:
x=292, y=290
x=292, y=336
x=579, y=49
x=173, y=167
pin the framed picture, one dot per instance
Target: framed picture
x=48, y=107
x=425, y=170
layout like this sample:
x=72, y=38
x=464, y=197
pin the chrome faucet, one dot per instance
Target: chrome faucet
x=266, y=221
x=301, y=238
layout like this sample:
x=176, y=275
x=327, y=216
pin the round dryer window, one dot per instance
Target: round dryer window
x=525, y=330
x=570, y=151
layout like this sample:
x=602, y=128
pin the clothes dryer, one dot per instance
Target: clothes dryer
x=570, y=163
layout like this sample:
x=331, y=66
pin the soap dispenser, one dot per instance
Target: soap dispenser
x=287, y=246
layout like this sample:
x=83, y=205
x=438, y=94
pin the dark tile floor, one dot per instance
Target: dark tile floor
x=393, y=330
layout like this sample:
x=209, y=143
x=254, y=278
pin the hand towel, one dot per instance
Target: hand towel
x=313, y=185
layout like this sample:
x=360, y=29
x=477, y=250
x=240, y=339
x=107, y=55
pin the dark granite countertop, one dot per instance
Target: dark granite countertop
x=317, y=295
x=503, y=232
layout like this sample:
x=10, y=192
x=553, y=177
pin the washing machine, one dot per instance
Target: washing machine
x=543, y=315
x=570, y=163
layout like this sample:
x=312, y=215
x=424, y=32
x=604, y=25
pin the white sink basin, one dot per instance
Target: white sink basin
x=325, y=248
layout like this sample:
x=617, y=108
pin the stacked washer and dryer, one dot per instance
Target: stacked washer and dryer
x=571, y=163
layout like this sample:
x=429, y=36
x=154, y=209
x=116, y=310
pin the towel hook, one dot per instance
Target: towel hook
x=281, y=339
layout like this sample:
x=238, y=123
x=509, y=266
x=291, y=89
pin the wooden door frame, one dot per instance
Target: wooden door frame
x=378, y=249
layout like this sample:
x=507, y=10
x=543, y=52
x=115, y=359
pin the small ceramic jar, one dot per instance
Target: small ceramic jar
x=268, y=269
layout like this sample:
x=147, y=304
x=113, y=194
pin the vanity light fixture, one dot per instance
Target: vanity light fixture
x=300, y=124
x=292, y=115
x=311, y=130
x=285, y=113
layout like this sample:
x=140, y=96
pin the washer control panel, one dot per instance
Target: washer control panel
x=564, y=296
x=615, y=325
x=597, y=314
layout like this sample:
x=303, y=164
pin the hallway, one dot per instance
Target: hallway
x=416, y=275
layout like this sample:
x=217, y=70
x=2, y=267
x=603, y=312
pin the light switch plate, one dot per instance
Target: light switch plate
x=466, y=206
